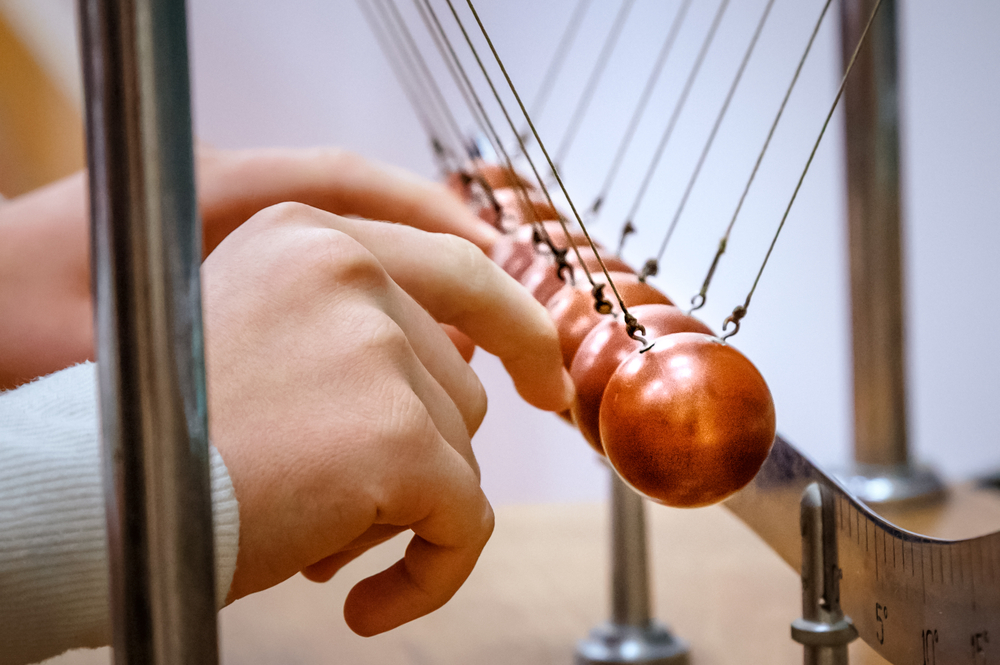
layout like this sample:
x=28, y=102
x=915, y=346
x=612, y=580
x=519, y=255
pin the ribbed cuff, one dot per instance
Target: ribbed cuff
x=53, y=544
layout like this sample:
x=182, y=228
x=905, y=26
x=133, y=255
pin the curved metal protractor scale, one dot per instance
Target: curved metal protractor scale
x=914, y=599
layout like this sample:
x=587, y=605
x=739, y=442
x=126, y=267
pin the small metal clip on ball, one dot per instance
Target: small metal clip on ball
x=636, y=331
x=649, y=269
x=601, y=303
x=738, y=313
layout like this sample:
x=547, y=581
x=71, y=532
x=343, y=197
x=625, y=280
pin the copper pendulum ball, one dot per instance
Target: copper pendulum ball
x=572, y=307
x=513, y=254
x=498, y=177
x=520, y=211
x=516, y=251
x=542, y=279
x=603, y=350
x=688, y=422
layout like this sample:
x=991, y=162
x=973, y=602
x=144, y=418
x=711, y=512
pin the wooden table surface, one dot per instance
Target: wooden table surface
x=542, y=583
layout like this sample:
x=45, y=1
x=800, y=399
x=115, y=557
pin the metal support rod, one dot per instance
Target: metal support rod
x=823, y=631
x=629, y=567
x=871, y=110
x=631, y=636
x=146, y=255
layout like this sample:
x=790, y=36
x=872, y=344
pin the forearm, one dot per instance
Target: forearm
x=45, y=310
x=53, y=543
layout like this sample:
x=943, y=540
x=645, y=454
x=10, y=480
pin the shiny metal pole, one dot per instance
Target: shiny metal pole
x=146, y=254
x=883, y=470
x=823, y=630
x=631, y=636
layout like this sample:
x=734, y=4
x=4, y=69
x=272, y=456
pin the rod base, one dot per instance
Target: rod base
x=878, y=485
x=615, y=644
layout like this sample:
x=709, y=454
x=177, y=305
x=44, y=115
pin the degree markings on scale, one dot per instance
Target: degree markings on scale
x=879, y=597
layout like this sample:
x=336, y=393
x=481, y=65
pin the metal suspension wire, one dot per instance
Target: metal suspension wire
x=698, y=301
x=672, y=122
x=476, y=107
x=531, y=163
x=740, y=311
x=712, y=134
x=634, y=328
x=398, y=65
x=436, y=37
x=587, y=96
x=555, y=67
x=640, y=108
x=395, y=21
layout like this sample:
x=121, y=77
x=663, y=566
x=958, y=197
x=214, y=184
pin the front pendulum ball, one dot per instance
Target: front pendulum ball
x=606, y=347
x=688, y=422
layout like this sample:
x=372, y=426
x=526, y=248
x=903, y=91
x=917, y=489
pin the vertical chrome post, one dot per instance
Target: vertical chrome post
x=631, y=636
x=146, y=254
x=883, y=472
x=823, y=631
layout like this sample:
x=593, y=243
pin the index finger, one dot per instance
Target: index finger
x=458, y=285
x=235, y=185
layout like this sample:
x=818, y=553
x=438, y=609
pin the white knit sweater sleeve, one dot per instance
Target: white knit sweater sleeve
x=53, y=549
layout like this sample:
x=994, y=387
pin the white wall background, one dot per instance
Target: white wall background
x=305, y=72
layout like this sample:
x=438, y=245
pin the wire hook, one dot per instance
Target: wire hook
x=627, y=230
x=636, y=331
x=601, y=304
x=738, y=313
x=649, y=269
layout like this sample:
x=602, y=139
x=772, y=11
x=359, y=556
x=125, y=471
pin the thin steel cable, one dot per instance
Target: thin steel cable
x=633, y=327
x=502, y=151
x=715, y=129
x=555, y=66
x=397, y=64
x=450, y=63
x=698, y=301
x=640, y=108
x=510, y=123
x=587, y=96
x=678, y=107
x=403, y=31
x=740, y=311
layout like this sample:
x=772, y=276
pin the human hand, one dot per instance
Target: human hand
x=46, y=315
x=344, y=413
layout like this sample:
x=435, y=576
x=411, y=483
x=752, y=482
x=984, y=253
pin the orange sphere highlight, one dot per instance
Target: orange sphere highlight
x=689, y=422
x=498, y=177
x=520, y=211
x=555, y=231
x=605, y=348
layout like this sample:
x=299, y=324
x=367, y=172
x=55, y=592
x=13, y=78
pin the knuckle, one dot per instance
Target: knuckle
x=480, y=527
x=283, y=213
x=468, y=263
x=387, y=341
x=478, y=402
x=541, y=344
x=466, y=256
x=345, y=261
x=489, y=521
x=334, y=158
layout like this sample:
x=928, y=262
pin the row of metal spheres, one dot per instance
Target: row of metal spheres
x=687, y=420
